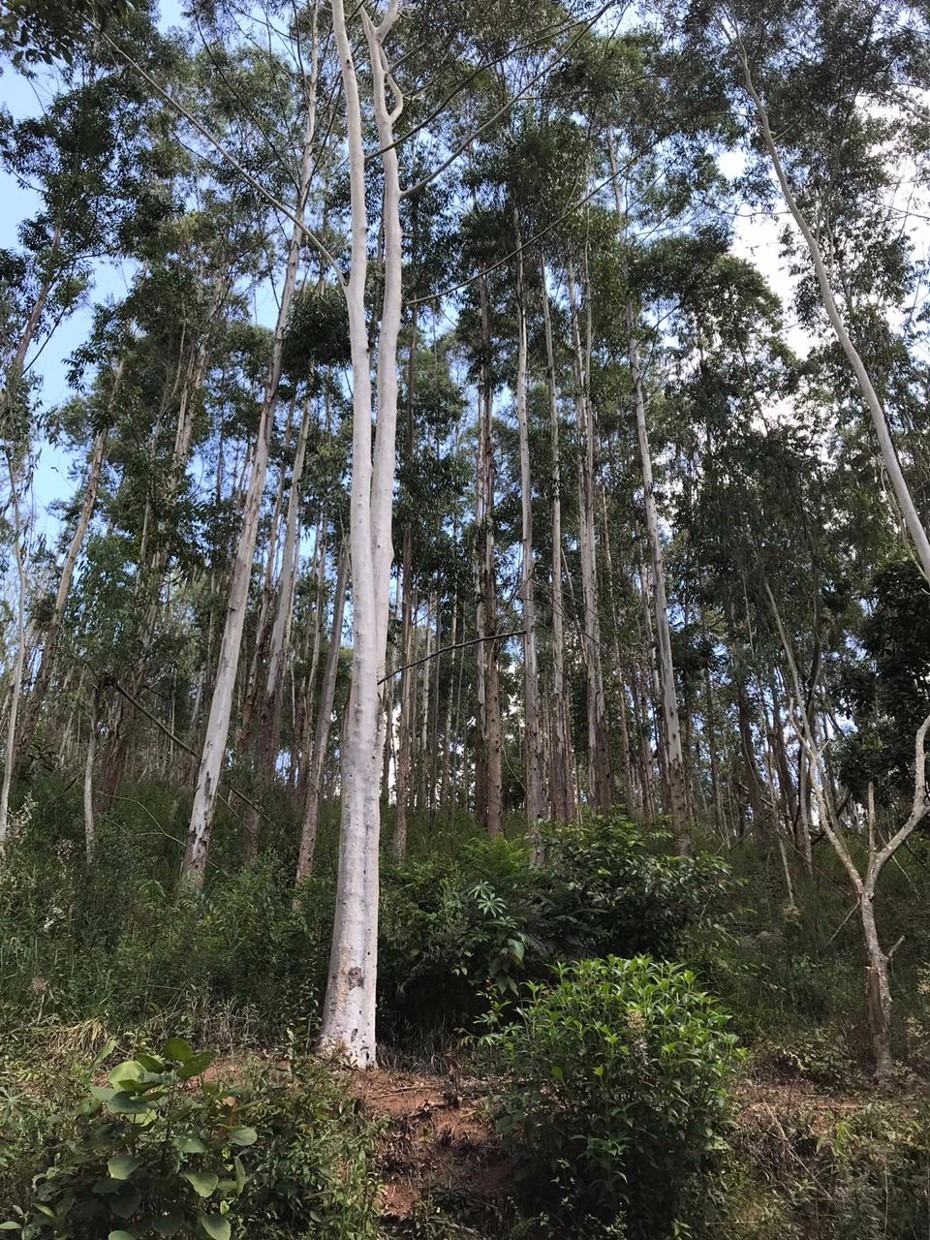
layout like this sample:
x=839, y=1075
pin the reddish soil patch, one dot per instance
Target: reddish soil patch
x=436, y=1133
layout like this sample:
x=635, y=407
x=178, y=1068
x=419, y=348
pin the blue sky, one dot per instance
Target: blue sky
x=52, y=481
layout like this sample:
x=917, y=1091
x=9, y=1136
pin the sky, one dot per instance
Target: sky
x=52, y=481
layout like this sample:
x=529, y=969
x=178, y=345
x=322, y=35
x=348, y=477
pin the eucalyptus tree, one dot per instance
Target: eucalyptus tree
x=829, y=97
x=217, y=729
x=349, y=1006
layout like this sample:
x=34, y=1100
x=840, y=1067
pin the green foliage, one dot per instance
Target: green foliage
x=819, y=1175
x=619, y=1090
x=452, y=928
x=236, y=965
x=160, y=1151
x=611, y=889
x=311, y=1172
x=148, y=1154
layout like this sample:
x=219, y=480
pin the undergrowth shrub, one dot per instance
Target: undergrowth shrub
x=810, y=1174
x=451, y=928
x=239, y=963
x=172, y=1147
x=618, y=1097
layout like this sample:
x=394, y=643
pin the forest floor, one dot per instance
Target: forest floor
x=437, y=1134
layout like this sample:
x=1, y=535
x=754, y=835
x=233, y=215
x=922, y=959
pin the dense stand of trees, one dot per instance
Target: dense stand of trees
x=445, y=455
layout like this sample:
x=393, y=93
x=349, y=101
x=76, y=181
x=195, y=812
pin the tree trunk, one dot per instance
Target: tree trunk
x=19, y=665
x=535, y=788
x=671, y=730
x=213, y=755
x=90, y=831
x=349, y=1005
x=317, y=757
x=269, y=723
x=560, y=777
x=600, y=784
x=489, y=784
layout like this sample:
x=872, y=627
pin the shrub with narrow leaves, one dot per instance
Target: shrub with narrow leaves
x=618, y=1097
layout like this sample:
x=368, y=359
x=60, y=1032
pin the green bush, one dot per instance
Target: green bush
x=618, y=1095
x=453, y=928
x=311, y=1172
x=162, y=1151
x=146, y=1155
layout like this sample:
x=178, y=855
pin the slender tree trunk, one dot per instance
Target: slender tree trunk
x=535, y=787
x=349, y=1005
x=671, y=730
x=560, y=778
x=90, y=830
x=193, y=869
x=317, y=757
x=600, y=783
x=489, y=784
x=19, y=665
x=269, y=725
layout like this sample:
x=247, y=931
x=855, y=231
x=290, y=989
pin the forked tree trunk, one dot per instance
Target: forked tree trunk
x=349, y=1004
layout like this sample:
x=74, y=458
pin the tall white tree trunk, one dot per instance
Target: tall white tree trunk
x=193, y=868
x=671, y=728
x=349, y=1005
x=535, y=786
x=561, y=760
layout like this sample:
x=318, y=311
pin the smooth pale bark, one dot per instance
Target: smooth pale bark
x=269, y=719
x=324, y=718
x=600, y=783
x=251, y=691
x=488, y=763
x=671, y=729
x=349, y=1005
x=560, y=766
x=90, y=829
x=19, y=664
x=873, y=403
x=213, y=755
x=535, y=787
x=53, y=632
